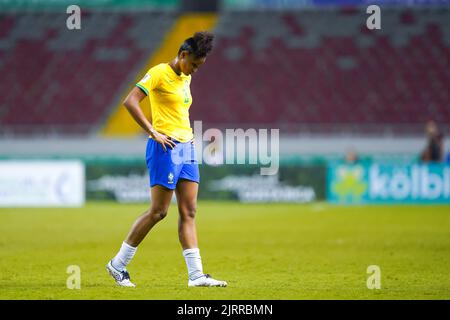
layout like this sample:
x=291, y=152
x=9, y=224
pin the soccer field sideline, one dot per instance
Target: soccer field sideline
x=264, y=251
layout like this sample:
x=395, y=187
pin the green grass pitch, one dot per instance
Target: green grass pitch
x=264, y=251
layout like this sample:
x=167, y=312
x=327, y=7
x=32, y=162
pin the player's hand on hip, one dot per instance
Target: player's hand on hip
x=164, y=140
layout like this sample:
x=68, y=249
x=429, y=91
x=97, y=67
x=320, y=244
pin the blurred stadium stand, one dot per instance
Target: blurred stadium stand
x=319, y=71
x=54, y=80
x=310, y=71
x=324, y=71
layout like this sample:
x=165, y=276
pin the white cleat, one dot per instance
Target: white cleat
x=206, y=281
x=122, y=278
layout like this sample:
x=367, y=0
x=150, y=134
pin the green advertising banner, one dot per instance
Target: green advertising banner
x=129, y=182
x=388, y=183
x=103, y=4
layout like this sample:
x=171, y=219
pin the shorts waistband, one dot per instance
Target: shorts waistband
x=177, y=141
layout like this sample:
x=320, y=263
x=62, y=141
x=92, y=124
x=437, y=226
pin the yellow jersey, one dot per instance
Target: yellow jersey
x=170, y=99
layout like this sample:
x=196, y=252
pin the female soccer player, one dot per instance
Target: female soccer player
x=170, y=157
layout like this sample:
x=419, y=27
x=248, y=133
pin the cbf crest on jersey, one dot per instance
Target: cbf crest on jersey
x=186, y=91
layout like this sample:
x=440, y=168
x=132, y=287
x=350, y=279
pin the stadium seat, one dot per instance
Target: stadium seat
x=66, y=81
x=292, y=67
x=311, y=69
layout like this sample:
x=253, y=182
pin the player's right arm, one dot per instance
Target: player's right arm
x=131, y=102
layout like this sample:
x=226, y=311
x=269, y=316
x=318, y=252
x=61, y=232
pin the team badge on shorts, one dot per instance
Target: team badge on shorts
x=170, y=177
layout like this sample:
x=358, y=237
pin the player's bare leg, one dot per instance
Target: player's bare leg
x=186, y=192
x=161, y=198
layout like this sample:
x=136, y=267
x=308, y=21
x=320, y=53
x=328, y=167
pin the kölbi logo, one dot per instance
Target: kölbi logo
x=417, y=182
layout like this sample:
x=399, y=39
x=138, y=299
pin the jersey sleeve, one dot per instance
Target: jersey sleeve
x=149, y=81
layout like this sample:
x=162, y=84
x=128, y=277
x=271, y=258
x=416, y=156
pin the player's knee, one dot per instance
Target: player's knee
x=189, y=212
x=158, y=213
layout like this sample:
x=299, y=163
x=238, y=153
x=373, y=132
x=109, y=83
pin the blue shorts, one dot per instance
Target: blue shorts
x=167, y=167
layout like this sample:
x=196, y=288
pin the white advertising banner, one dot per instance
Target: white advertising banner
x=42, y=183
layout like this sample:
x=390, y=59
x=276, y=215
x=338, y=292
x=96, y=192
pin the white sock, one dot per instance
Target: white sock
x=123, y=257
x=193, y=263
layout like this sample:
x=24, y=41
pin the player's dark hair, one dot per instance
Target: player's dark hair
x=200, y=44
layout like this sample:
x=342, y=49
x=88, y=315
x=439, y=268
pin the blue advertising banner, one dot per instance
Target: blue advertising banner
x=292, y=4
x=387, y=183
x=378, y=2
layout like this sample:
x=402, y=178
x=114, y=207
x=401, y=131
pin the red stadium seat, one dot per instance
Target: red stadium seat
x=299, y=69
